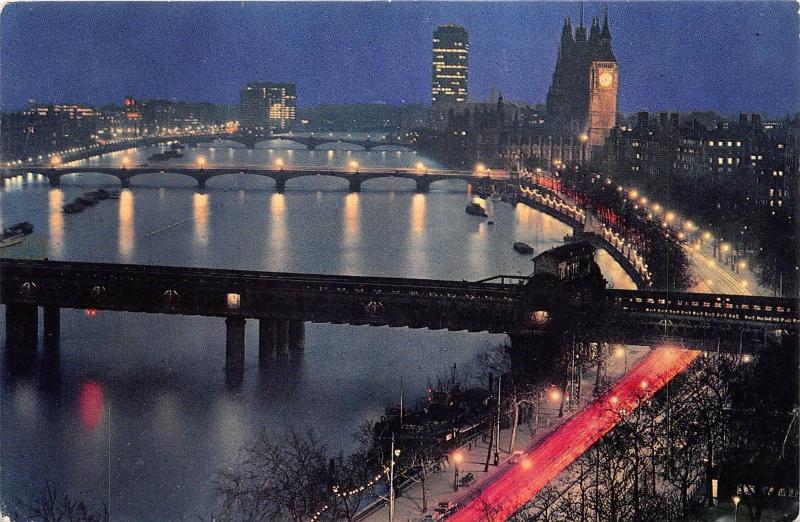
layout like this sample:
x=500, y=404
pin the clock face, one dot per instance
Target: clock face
x=606, y=79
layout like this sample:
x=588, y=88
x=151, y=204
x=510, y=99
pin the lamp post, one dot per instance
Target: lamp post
x=736, y=500
x=457, y=458
x=394, y=453
x=584, y=140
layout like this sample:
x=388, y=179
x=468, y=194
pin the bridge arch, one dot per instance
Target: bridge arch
x=390, y=183
x=174, y=178
x=73, y=178
x=269, y=143
x=246, y=180
x=451, y=183
x=339, y=145
x=331, y=181
x=223, y=143
x=391, y=147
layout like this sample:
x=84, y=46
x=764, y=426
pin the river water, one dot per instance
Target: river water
x=137, y=414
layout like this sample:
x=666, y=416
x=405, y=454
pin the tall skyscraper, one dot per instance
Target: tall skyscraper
x=267, y=105
x=582, y=100
x=450, y=57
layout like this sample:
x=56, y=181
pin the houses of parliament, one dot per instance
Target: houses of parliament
x=582, y=99
x=572, y=126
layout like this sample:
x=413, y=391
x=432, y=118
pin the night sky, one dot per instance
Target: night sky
x=729, y=57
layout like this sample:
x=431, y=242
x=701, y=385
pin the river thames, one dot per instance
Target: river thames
x=137, y=414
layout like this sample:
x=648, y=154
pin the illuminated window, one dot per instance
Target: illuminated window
x=234, y=301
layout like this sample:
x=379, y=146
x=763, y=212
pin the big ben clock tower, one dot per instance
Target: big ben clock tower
x=603, y=86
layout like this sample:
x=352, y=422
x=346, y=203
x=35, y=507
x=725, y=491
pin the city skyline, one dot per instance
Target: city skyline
x=513, y=49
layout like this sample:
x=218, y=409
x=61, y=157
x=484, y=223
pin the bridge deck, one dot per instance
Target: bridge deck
x=422, y=303
x=215, y=292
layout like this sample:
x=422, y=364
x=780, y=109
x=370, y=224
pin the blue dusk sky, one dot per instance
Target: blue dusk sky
x=726, y=56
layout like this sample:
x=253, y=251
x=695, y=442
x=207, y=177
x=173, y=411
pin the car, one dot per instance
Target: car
x=516, y=457
x=445, y=508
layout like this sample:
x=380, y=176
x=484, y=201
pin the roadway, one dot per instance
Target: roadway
x=714, y=277
x=517, y=485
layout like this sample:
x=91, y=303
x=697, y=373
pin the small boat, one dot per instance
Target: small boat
x=490, y=222
x=73, y=208
x=96, y=195
x=12, y=240
x=23, y=227
x=177, y=145
x=86, y=202
x=474, y=209
x=166, y=155
x=523, y=248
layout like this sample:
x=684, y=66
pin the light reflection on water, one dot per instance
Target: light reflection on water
x=173, y=422
x=56, y=221
x=126, y=225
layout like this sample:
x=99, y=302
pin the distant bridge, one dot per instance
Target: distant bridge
x=354, y=176
x=282, y=302
x=311, y=142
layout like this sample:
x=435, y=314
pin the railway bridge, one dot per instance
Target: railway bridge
x=283, y=302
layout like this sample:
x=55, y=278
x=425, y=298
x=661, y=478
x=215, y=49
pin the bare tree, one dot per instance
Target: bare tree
x=276, y=481
x=47, y=505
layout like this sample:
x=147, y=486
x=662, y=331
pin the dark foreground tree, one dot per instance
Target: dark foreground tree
x=48, y=505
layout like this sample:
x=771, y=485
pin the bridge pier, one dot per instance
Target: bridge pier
x=201, y=183
x=22, y=327
x=250, y=145
x=125, y=182
x=266, y=340
x=55, y=181
x=355, y=185
x=423, y=185
x=297, y=335
x=280, y=185
x=281, y=336
x=234, y=349
x=52, y=325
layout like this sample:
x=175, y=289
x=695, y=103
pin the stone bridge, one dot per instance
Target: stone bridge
x=355, y=178
x=312, y=142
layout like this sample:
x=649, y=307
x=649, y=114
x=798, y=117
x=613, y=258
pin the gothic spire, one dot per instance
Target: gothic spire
x=606, y=33
x=594, y=32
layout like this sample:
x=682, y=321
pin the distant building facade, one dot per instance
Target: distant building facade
x=268, y=105
x=450, y=65
x=450, y=72
x=41, y=129
x=760, y=157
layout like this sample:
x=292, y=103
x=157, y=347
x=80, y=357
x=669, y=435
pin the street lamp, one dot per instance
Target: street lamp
x=125, y=162
x=354, y=165
x=279, y=163
x=395, y=452
x=201, y=161
x=621, y=352
x=457, y=458
x=736, y=499
x=480, y=167
x=56, y=160
x=420, y=167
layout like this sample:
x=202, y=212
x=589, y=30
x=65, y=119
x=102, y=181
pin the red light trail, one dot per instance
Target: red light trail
x=512, y=489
